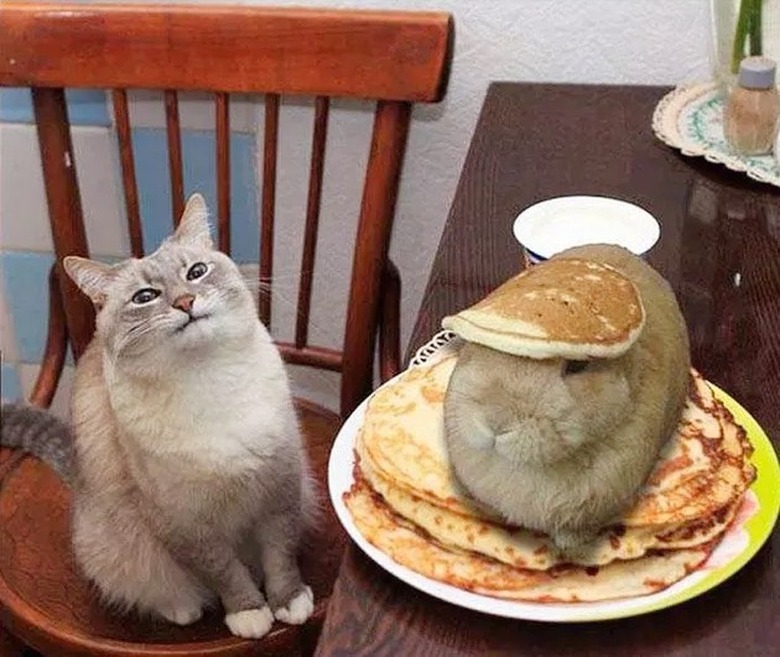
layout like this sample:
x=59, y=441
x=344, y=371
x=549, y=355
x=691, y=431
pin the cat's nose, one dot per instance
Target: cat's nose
x=184, y=302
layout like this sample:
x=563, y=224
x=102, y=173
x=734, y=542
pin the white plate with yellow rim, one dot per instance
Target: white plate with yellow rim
x=750, y=530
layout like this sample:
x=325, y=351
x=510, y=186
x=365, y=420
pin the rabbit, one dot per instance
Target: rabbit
x=563, y=447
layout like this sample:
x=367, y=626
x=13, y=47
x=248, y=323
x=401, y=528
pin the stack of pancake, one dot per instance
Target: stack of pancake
x=407, y=502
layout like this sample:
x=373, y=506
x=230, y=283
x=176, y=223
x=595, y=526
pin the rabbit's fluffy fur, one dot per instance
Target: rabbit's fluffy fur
x=566, y=453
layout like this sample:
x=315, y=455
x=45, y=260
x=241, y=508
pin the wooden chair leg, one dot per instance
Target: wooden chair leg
x=56, y=346
x=389, y=323
x=10, y=646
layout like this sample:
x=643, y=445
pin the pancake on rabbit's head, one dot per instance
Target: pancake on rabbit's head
x=564, y=308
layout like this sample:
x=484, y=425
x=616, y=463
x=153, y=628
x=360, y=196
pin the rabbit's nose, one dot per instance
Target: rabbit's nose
x=184, y=302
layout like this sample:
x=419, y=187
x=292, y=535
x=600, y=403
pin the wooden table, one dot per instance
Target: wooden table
x=719, y=247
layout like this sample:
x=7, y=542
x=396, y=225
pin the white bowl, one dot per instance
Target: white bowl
x=556, y=224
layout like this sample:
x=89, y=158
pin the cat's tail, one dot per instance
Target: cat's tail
x=39, y=433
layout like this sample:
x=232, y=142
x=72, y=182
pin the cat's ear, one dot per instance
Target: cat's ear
x=194, y=227
x=92, y=277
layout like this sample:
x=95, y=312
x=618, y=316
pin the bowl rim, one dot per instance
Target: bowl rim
x=640, y=215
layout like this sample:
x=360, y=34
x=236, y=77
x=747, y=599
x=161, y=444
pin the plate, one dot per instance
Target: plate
x=690, y=118
x=740, y=543
x=559, y=223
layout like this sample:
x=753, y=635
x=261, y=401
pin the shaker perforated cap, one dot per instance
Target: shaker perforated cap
x=757, y=73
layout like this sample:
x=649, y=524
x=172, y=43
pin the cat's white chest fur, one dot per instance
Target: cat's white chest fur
x=223, y=409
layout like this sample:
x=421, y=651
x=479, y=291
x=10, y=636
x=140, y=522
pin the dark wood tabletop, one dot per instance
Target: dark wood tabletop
x=720, y=249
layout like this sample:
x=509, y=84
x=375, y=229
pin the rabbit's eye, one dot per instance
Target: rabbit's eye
x=574, y=366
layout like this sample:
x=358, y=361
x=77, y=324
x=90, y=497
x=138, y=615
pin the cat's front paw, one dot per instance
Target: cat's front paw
x=298, y=609
x=250, y=623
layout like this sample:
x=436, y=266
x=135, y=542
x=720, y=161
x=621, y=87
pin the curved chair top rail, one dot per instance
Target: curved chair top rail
x=392, y=55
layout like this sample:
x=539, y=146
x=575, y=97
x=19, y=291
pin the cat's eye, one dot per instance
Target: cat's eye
x=197, y=270
x=575, y=366
x=146, y=295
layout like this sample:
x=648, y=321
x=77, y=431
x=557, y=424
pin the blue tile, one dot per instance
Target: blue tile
x=244, y=218
x=198, y=153
x=154, y=192
x=85, y=106
x=16, y=106
x=25, y=277
x=10, y=386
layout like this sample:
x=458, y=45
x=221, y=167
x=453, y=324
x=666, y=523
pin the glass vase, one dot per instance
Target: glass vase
x=741, y=28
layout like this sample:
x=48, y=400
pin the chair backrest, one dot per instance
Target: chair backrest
x=395, y=58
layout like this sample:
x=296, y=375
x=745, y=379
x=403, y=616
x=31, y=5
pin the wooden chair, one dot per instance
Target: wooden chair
x=395, y=58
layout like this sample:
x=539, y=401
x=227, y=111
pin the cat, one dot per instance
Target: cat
x=190, y=480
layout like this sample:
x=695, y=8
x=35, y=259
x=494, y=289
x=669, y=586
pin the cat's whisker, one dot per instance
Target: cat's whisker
x=251, y=274
x=136, y=332
x=277, y=295
x=264, y=285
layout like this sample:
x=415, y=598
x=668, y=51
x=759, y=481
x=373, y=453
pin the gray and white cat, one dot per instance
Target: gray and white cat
x=189, y=475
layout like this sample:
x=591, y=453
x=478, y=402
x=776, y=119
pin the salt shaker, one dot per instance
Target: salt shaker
x=752, y=108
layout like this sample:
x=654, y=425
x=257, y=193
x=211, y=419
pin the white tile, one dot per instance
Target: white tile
x=317, y=386
x=28, y=372
x=7, y=336
x=60, y=405
x=24, y=218
x=196, y=110
x=100, y=184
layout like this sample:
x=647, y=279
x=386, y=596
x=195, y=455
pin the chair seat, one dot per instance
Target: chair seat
x=46, y=602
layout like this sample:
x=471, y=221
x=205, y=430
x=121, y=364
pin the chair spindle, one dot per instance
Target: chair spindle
x=56, y=347
x=222, y=109
x=271, y=139
x=174, y=154
x=388, y=144
x=124, y=138
x=64, y=203
x=321, y=108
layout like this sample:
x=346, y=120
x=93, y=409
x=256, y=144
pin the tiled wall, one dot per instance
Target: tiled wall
x=25, y=243
x=26, y=246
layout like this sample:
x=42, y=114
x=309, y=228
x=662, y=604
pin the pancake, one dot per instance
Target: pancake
x=702, y=469
x=522, y=548
x=563, y=308
x=403, y=432
x=413, y=548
